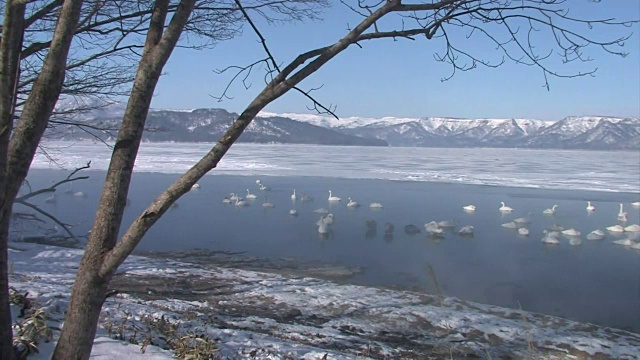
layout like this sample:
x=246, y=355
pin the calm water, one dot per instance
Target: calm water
x=597, y=281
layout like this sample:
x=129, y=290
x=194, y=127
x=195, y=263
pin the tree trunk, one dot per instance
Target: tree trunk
x=91, y=283
x=10, y=46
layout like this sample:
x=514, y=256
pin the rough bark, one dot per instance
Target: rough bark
x=10, y=46
x=17, y=149
x=91, y=284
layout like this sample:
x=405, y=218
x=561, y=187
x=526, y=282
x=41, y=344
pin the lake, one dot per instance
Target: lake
x=596, y=281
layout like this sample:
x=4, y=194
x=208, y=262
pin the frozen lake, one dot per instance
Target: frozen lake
x=596, y=281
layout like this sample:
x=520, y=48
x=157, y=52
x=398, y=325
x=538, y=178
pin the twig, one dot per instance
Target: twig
x=53, y=187
x=53, y=218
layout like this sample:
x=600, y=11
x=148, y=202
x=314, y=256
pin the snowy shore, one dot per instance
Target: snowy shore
x=249, y=314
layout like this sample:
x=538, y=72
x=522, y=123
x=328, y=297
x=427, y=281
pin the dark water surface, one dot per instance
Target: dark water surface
x=597, y=281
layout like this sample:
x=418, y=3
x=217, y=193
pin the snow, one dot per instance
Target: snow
x=268, y=316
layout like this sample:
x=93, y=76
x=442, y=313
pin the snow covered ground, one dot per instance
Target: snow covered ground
x=247, y=314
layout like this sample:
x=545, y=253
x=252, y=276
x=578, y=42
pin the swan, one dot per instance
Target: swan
x=523, y=231
x=575, y=241
x=636, y=204
x=250, y=196
x=622, y=215
x=466, y=230
x=240, y=202
x=51, y=199
x=571, y=232
x=195, y=186
x=632, y=228
x=305, y=198
x=323, y=228
x=446, y=224
x=433, y=228
x=636, y=246
x=615, y=228
x=625, y=242
x=352, y=203
x=556, y=227
x=293, y=196
x=469, y=208
x=551, y=210
x=550, y=240
x=510, y=225
x=321, y=211
x=234, y=197
x=333, y=198
x=226, y=200
x=375, y=205
x=325, y=219
x=504, y=208
x=596, y=235
x=267, y=204
x=293, y=212
x=590, y=207
x=258, y=182
x=79, y=194
x=522, y=221
x=263, y=188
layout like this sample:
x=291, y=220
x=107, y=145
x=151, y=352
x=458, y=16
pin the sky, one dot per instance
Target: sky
x=402, y=78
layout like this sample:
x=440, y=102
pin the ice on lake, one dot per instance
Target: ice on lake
x=596, y=281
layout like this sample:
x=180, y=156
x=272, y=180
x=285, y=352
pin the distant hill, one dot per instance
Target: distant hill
x=207, y=125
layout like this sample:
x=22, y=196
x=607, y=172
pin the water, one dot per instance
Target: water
x=547, y=169
x=597, y=281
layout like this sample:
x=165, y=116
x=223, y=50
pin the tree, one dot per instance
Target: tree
x=499, y=21
x=37, y=66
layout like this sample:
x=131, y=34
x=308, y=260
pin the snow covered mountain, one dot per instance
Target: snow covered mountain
x=207, y=125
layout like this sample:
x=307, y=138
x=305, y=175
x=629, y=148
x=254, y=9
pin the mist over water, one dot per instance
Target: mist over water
x=548, y=169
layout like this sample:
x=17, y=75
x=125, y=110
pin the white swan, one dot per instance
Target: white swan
x=195, y=186
x=596, y=235
x=590, y=207
x=504, y=208
x=323, y=227
x=293, y=212
x=333, y=198
x=263, y=188
x=293, y=196
x=305, y=198
x=375, y=205
x=258, y=182
x=615, y=228
x=636, y=246
x=267, y=204
x=632, y=228
x=240, y=202
x=321, y=211
x=523, y=231
x=469, y=208
x=446, y=224
x=510, y=225
x=466, y=230
x=571, y=232
x=522, y=221
x=575, y=241
x=79, y=194
x=550, y=240
x=226, y=200
x=250, y=196
x=234, y=197
x=551, y=210
x=352, y=203
x=325, y=219
x=636, y=204
x=622, y=215
x=625, y=242
x=433, y=228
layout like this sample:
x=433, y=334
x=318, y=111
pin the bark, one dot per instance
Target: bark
x=10, y=46
x=90, y=287
x=17, y=150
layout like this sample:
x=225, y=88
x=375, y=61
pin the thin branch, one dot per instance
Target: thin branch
x=53, y=187
x=64, y=226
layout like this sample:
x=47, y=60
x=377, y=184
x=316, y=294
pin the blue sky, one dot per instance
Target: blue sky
x=401, y=78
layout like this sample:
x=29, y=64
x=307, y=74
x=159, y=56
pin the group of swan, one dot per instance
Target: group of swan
x=352, y=204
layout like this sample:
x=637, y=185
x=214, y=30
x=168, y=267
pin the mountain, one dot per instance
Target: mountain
x=207, y=125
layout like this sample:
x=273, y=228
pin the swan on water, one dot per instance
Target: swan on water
x=79, y=194
x=625, y=242
x=323, y=227
x=615, y=228
x=250, y=196
x=523, y=231
x=522, y=221
x=352, y=203
x=293, y=212
x=433, y=228
x=195, y=186
x=327, y=219
x=551, y=210
x=510, y=225
x=504, y=208
x=234, y=197
x=571, y=232
x=596, y=235
x=636, y=246
x=321, y=211
x=267, y=204
x=575, y=241
x=226, y=200
x=305, y=198
x=263, y=188
x=466, y=230
x=622, y=215
x=258, y=182
x=552, y=240
x=446, y=224
x=240, y=202
x=632, y=228
x=590, y=207
x=333, y=198
x=293, y=196
x=636, y=204
x=375, y=205
x=469, y=208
